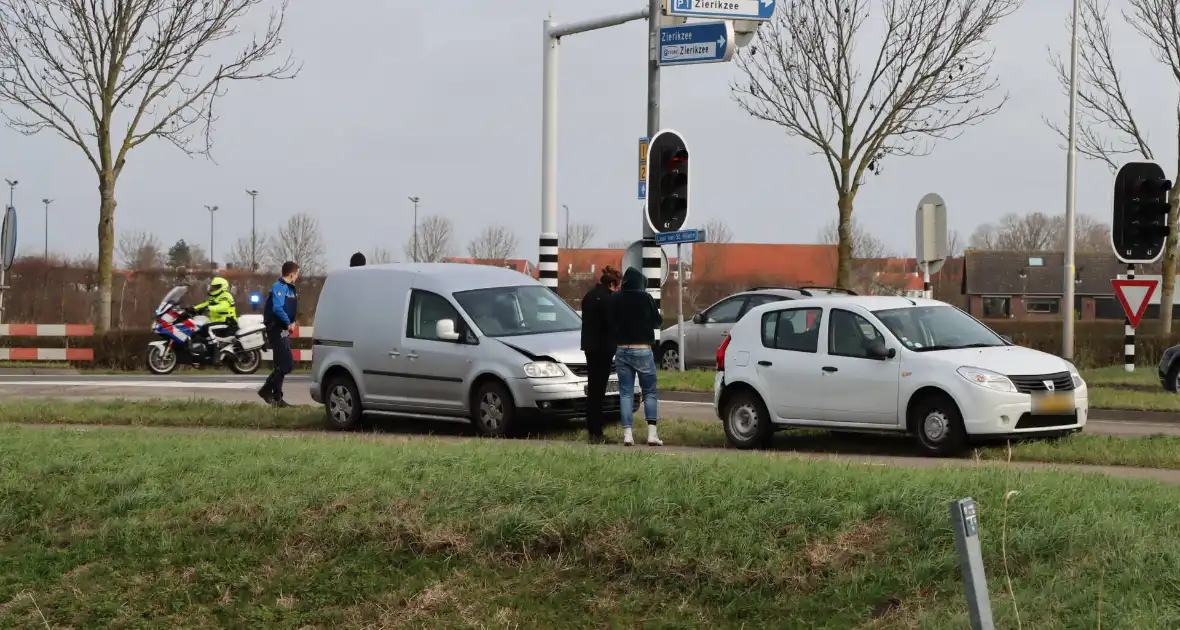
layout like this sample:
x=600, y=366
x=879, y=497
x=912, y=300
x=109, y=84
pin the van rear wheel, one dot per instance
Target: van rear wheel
x=493, y=412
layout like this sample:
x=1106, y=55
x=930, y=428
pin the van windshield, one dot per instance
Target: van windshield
x=511, y=311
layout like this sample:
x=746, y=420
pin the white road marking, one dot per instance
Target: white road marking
x=686, y=402
x=133, y=384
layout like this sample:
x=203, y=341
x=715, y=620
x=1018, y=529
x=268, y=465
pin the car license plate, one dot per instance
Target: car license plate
x=1053, y=403
x=612, y=387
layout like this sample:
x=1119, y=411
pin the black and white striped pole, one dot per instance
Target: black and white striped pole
x=1129, y=332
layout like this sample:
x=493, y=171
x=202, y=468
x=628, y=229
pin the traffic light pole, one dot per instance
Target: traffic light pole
x=553, y=32
x=651, y=251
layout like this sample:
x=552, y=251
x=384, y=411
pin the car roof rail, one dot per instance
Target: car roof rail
x=803, y=291
x=832, y=290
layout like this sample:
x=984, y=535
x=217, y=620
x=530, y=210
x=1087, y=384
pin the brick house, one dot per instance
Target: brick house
x=1028, y=285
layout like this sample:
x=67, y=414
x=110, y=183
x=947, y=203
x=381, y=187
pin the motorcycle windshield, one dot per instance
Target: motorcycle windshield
x=173, y=297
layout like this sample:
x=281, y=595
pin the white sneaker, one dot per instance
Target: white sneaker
x=653, y=437
x=628, y=438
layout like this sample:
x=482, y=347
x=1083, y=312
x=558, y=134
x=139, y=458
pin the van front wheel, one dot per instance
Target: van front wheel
x=493, y=411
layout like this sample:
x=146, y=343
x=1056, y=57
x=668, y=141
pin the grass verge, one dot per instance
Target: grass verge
x=122, y=529
x=1098, y=450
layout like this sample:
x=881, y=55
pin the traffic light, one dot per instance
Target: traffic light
x=1139, y=228
x=667, y=182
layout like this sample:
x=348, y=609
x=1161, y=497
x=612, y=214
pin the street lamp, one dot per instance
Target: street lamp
x=253, y=234
x=1071, y=192
x=11, y=190
x=211, y=210
x=415, y=200
x=46, y=202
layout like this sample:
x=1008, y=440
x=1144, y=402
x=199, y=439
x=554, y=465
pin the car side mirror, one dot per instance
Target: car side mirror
x=698, y=318
x=445, y=330
x=879, y=352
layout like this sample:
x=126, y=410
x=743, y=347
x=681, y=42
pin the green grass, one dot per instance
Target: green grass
x=132, y=529
x=1117, y=376
x=1143, y=452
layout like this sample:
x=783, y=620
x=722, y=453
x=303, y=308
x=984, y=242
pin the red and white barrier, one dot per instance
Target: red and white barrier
x=47, y=330
x=46, y=354
x=300, y=355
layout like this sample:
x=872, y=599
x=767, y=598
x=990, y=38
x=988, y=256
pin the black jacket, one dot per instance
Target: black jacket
x=596, y=332
x=633, y=313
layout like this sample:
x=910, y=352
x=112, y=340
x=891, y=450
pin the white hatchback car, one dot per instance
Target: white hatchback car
x=888, y=364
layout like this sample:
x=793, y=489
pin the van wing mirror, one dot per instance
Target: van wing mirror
x=445, y=330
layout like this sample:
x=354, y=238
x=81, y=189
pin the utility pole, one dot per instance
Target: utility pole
x=47, y=202
x=567, y=226
x=253, y=230
x=211, y=209
x=651, y=251
x=415, y=200
x=1071, y=194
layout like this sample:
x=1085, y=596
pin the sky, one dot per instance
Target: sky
x=442, y=101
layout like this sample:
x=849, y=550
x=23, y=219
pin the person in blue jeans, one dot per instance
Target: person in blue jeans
x=634, y=319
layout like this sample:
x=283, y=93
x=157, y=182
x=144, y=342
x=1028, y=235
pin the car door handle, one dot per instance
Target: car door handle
x=765, y=363
x=412, y=355
x=395, y=353
x=828, y=368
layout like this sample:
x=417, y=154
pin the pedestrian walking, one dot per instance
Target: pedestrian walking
x=599, y=347
x=357, y=260
x=278, y=315
x=633, y=320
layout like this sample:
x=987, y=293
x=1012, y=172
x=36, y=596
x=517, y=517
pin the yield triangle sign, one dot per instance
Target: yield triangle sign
x=1134, y=295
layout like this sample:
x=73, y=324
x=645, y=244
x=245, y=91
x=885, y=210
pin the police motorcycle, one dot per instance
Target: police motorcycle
x=178, y=327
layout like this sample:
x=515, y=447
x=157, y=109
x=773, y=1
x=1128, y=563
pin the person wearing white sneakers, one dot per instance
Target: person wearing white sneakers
x=633, y=319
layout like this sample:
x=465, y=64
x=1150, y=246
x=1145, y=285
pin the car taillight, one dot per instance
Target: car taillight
x=721, y=354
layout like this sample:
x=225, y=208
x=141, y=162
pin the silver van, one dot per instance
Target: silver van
x=448, y=340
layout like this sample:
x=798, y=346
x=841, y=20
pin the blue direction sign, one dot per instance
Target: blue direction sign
x=700, y=42
x=678, y=238
x=727, y=9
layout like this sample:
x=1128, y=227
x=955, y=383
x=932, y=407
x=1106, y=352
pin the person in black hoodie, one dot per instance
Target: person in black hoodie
x=599, y=347
x=634, y=319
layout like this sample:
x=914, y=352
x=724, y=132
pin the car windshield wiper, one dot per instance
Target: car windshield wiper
x=961, y=347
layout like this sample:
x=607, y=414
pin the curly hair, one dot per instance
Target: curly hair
x=611, y=276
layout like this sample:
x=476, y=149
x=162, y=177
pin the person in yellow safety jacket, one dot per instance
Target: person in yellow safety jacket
x=220, y=305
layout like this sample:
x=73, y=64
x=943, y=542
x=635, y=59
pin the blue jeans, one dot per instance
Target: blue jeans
x=631, y=362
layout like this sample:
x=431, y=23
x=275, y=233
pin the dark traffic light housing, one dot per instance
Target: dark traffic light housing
x=1139, y=229
x=667, y=182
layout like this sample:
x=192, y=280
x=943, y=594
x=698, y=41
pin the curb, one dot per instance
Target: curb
x=7, y=371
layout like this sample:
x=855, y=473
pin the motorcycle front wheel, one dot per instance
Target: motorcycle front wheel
x=161, y=362
x=246, y=362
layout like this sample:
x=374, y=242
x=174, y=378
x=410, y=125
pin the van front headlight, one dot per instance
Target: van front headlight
x=543, y=369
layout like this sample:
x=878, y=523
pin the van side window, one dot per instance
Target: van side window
x=426, y=309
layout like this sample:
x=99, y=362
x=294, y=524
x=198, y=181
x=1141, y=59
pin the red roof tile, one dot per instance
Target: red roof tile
x=785, y=264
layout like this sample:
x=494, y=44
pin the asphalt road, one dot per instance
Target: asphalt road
x=231, y=388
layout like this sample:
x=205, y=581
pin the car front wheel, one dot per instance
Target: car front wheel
x=747, y=422
x=937, y=426
x=670, y=357
x=493, y=410
x=342, y=403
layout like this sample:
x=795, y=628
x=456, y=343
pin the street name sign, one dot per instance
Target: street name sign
x=724, y=9
x=1134, y=295
x=700, y=42
x=681, y=237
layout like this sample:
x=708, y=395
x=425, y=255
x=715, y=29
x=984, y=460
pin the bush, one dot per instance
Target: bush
x=1096, y=344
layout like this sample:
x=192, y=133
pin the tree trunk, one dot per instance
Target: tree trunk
x=106, y=248
x=844, y=243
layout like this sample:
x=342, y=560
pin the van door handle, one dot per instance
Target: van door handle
x=412, y=355
x=829, y=369
x=395, y=353
x=765, y=363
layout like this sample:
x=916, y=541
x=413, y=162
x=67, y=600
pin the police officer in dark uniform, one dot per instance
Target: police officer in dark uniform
x=599, y=347
x=278, y=315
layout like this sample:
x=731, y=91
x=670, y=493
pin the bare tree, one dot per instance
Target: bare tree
x=717, y=231
x=381, y=256
x=864, y=243
x=495, y=242
x=300, y=240
x=435, y=240
x=108, y=76
x=579, y=236
x=1038, y=231
x=618, y=244
x=240, y=253
x=954, y=244
x=1107, y=128
x=928, y=81
x=140, y=250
